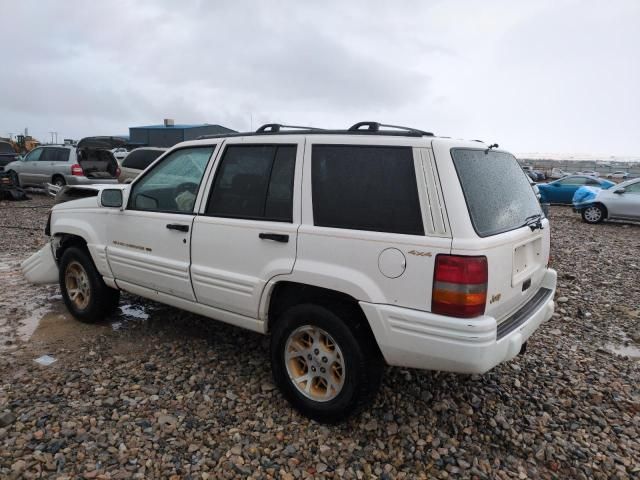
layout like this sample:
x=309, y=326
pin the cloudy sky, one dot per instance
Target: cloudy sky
x=545, y=76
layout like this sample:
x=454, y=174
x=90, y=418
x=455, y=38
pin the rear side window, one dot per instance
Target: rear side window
x=254, y=182
x=365, y=188
x=498, y=194
x=141, y=159
x=54, y=155
x=6, y=148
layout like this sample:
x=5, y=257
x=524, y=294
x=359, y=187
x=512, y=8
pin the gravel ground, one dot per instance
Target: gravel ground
x=159, y=393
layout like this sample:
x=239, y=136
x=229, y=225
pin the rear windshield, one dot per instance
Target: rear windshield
x=6, y=148
x=498, y=194
x=141, y=159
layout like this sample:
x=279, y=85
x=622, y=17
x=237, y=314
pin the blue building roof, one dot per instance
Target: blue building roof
x=182, y=126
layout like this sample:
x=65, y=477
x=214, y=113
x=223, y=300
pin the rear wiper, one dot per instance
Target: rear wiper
x=534, y=222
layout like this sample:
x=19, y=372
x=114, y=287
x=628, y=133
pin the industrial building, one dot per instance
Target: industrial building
x=168, y=134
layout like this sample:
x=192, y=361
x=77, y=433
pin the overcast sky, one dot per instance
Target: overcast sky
x=556, y=76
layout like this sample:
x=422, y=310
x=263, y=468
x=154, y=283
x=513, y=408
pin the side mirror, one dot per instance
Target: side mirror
x=111, y=198
x=620, y=191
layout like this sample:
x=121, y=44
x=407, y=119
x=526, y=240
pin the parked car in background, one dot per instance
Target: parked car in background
x=558, y=173
x=535, y=175
x=137, y=161
x=590, y=173
x=619, y=175
x=7, y=155
x=620, y=202
x=261, y=230
x=120, y=154
x=562, y=190
x=64, y=165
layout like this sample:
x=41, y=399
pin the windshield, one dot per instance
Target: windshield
x=497, y=191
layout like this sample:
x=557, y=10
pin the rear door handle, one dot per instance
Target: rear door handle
x=178, y=227
x=276, y=237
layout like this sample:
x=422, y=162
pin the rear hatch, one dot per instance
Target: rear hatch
x=98, y=163
x=505, y=224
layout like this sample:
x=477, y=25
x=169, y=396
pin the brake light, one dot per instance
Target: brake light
x=118, y=172
x=459, y=286
x=77, y=170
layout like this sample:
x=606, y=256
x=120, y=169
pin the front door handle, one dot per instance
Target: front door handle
x=276, y=237
x=178, y=227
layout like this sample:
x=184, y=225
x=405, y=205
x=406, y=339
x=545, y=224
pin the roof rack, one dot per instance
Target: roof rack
x=360, y=128
x=375, y=127
x=276, y=127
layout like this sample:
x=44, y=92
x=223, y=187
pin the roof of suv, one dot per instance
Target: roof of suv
x=360, y=128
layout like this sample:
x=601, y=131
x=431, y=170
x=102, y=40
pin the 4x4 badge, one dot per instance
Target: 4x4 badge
x=419, y=254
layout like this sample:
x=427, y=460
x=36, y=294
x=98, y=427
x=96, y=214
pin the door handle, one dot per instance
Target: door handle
x=178, y=227
x=276, y=237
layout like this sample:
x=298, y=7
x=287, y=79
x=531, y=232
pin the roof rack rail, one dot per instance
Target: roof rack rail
x=276, y=127
x=375, y=127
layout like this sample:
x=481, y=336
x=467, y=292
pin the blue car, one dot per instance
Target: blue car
x=562, y=190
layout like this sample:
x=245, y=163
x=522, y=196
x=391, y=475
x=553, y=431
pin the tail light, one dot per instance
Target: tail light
x=77, y=170
x=459, y=286
x=118, y=172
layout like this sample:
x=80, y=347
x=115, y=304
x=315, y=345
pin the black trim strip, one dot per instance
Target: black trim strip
x=522, y=315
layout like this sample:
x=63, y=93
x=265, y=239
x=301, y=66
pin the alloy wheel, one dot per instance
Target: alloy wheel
x=315, y=363
x=77, y=284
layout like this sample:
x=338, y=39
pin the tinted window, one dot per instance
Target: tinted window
x=254, y=182
x=497, y=192
x=573, y=181
x=592, y=181
x=141, y=159
x=365, y=188
x=34, y=155
x=6, y=148
x=54, y=155
x=172, y=184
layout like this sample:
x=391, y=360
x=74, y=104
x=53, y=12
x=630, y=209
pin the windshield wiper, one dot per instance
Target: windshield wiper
x=534, y=222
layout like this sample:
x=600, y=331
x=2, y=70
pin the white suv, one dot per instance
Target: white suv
x=351, y=248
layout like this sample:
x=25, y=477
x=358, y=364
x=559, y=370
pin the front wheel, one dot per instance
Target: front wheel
x=15, y=179
x=84, y=292
x=593, y=214
x=325, y=364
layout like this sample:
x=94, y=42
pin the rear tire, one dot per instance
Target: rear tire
x=84, y=292
x=593, y=214
x=338, y=367
x=58, y=181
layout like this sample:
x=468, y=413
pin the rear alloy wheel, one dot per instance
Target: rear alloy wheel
x=325, y=361
x=593, y=214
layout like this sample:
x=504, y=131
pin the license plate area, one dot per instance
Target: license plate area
x=527, y=258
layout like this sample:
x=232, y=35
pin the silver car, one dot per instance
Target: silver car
x=621, y=202
x=64, y=165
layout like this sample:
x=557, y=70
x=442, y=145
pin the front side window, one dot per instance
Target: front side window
x=634, y=188
x=365, y=188
x=254, y=182
x=34, y=155
x=172, y=185
x=573, y=181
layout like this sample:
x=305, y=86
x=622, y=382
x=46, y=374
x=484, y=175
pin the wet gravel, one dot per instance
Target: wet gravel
x=159, y=393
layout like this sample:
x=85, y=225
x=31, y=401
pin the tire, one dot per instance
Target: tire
x=58, y=181
x=15, y=179
x=91, y=300
x=355, y=370
x=593, y=214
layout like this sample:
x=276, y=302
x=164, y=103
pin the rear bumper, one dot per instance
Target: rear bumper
x=80, y=180
x=417, y=339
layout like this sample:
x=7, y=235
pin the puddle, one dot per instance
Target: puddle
x=129, y=313
x=631, y=351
